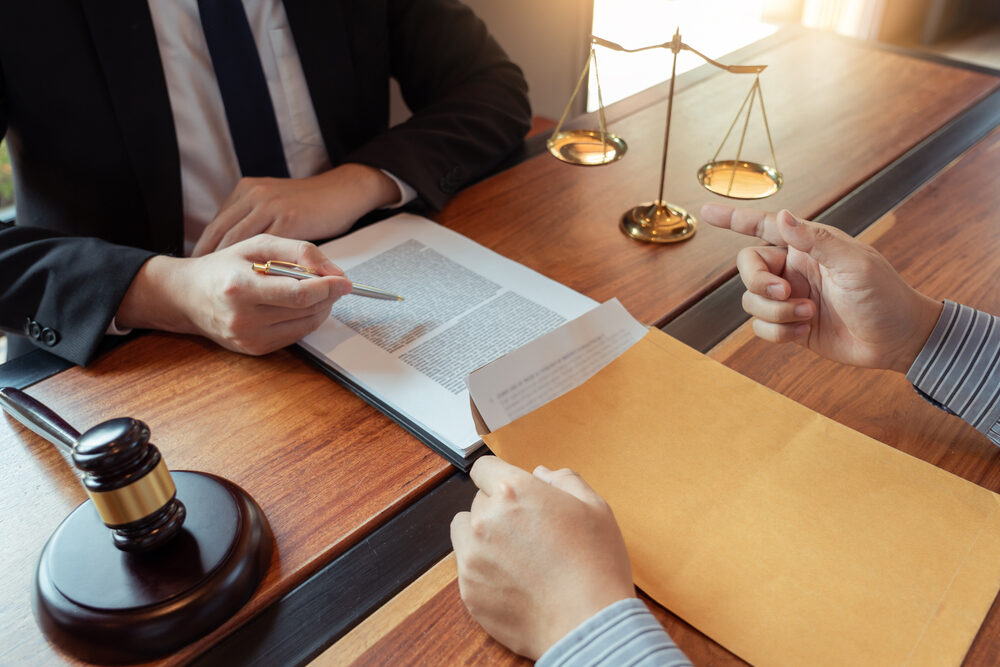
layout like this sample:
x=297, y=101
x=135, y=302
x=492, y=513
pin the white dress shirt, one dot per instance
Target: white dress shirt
x=209, y=168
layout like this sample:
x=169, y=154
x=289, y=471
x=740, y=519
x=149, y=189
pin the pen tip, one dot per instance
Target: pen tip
x=399, y=298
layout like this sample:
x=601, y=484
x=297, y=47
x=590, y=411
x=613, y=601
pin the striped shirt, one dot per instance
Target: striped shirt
x=624, y=634
x=958, y=370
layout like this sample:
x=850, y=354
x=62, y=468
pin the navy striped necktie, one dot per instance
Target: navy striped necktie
x=249, y=111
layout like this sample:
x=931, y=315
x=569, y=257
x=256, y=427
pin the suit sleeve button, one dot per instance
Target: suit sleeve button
x=49, y=337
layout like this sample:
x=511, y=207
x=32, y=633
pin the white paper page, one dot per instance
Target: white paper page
x=549, y=366
x=464, y=306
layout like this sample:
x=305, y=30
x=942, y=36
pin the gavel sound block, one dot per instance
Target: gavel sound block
x=185, y=551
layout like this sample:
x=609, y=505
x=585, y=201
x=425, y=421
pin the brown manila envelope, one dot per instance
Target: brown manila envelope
x=788, y=538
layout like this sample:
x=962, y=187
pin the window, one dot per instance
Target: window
x=714, y=27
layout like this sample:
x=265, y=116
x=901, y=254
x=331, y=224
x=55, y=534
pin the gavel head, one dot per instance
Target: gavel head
x=129, y=483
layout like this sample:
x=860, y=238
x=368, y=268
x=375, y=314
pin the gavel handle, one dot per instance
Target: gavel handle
x=39, y=418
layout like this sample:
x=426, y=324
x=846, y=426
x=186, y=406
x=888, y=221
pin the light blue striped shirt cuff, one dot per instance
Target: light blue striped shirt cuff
x=958, y=368
x=624, y=634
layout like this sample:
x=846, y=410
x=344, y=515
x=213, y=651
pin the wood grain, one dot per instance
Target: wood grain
x=354, y=644
x=325, y=467
x=839, y=112
x=407, y=629
x=944, y=240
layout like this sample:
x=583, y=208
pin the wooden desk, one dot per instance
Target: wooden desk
x=325, y=466
x=336, y=477
x=945, y=240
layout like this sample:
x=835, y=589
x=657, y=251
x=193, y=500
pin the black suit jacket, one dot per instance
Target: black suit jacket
x=85, y=110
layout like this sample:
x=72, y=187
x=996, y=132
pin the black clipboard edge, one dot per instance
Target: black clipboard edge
x=411, y=427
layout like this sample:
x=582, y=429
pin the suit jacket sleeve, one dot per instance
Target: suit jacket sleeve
x=469, y=101
x=62, y=292
x=59, y=290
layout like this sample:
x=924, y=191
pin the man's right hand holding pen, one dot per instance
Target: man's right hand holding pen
x=218, y=297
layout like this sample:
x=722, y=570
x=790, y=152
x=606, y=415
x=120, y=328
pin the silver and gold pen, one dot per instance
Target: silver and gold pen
x=274, y=267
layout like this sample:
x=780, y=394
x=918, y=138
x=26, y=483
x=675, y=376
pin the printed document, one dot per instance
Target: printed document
x=553, y=364
x=463, y=307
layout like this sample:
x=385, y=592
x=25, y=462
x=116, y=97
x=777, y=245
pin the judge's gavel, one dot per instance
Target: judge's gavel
x=129, y=484
x=123, y=473
x=158, y=581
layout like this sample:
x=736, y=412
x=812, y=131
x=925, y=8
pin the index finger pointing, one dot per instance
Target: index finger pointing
x=763, y=225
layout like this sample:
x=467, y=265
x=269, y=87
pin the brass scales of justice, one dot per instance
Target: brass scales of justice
x=660, y=221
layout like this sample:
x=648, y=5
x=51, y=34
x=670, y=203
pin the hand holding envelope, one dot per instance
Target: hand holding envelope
x=539, y=554
x=783, y=535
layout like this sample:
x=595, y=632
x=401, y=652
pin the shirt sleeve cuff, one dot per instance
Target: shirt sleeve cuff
x=406, y=193
x=623, y=634
x=958, y=368
x=115, y=330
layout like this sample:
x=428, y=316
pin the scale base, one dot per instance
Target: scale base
x=107, y=606
x=658, y=222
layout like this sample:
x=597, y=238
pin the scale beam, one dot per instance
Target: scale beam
x=660, y=221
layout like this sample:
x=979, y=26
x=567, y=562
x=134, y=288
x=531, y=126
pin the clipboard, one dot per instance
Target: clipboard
x=413, y=428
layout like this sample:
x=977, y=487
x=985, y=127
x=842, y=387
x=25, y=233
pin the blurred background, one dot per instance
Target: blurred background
x=550, y=41
x=963, y=28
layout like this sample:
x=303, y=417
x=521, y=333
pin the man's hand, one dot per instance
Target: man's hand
x=312, y=208
x=220, y=297
x=537, y=554
x=823, y=289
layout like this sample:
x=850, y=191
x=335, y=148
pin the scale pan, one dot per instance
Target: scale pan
x=740, y=180
x=585, y=147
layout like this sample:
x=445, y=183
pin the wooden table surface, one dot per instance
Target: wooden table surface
x=945, y=241
x=327, y=468
x=324, y=466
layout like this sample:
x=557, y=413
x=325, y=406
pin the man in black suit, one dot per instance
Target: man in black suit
x=139, y=204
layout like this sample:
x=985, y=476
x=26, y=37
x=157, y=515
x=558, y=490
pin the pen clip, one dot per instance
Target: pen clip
x=291, y=265
x=266, y=266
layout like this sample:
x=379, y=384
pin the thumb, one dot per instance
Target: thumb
x=827, y=245
x=569, y=481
